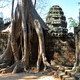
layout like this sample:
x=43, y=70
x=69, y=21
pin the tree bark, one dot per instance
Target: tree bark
x=38, y=24
x=25, y=58
x=13, y=38
x=26, y=18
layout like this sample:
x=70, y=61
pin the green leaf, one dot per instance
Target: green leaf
x=73, y=22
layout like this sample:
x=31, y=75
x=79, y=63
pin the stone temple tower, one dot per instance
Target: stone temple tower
x=56, y=20
x=59, y=44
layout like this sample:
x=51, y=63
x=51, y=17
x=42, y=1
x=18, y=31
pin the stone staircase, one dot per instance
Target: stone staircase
x=65, y=73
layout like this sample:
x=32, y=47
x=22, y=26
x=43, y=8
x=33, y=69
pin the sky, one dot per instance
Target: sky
x=69, y=7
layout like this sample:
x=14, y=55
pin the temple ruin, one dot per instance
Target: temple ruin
x=60, y=47
x=59, y=44
x=3, y=35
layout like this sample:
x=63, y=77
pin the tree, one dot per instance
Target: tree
x=4, y=3
x=22, y=23
x=73, y=23
x=42, y=7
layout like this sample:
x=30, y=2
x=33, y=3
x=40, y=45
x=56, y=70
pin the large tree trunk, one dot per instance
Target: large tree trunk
x=13, y=37
x=38, y=24
x=25, y=57
x=26, y=18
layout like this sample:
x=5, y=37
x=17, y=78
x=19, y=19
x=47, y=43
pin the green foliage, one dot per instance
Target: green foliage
x=73, y=22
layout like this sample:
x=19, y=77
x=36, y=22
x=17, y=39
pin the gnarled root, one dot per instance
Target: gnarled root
x=8, y=69
x=15, y=68
x=41, y=54
x=7, y=55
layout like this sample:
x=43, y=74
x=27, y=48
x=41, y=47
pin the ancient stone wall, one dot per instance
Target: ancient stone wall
x=60, y=50
x=4, y=34
x=3, y=41
x=59, y=43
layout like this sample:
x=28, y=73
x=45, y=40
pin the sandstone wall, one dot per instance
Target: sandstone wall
x=3, y=41
x=60, y=50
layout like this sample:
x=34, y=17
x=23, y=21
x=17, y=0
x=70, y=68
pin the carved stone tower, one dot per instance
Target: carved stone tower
x=56, y=20
x=59, y=43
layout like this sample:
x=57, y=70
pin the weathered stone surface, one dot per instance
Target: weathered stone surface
x=60, y=49
x=56, y=18
x=3, y=41
x=1, y=23
x=59, y=43
x=3, y=35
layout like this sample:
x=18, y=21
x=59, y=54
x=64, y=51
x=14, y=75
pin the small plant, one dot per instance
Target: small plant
x=73, y=22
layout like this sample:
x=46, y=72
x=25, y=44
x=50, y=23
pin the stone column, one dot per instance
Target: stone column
x=77, y=50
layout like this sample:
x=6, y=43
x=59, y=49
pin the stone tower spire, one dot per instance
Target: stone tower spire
x=56, y=20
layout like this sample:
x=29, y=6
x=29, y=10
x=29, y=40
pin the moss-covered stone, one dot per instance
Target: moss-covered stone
x=56, y=20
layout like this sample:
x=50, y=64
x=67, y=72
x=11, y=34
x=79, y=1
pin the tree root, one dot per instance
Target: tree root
x=53, y=67
x=3, y=65
x=50, y=66
x=7, y=70
x=15, y=68
x=19, y=22
x=6, y=57
x=18, y=68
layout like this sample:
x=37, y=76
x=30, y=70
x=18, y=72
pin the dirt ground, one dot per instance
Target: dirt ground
x=27, y=76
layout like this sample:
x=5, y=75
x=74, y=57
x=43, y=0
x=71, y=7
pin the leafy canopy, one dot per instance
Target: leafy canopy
x=73, y=22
